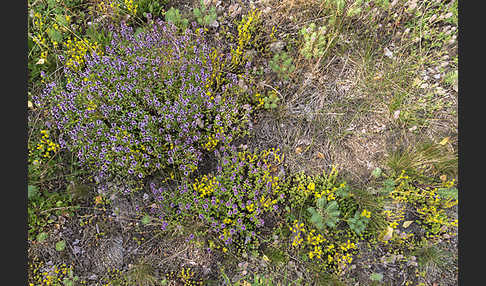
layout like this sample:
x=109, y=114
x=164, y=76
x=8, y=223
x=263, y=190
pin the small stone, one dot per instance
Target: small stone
x=396, y=114
x=214, y=24
x=276, y=47
x=199, y=123
x=304, y=141
x=234, y=10
x=242, y=85
x=76, y=250
x=388, y=53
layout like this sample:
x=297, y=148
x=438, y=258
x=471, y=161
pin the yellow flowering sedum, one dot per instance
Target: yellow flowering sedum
x=205, y=186
x=77, y=49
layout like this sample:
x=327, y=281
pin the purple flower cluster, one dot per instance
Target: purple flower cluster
x=147, y=104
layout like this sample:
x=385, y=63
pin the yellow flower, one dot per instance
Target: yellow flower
x=366, y=213
x=311, y=187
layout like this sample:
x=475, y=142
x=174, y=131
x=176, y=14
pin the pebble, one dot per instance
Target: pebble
x=214, y=24
x=276, y=46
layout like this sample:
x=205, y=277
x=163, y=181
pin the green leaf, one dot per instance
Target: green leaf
x=61, y=20
x=331, y=222
x=55, y=35
x=343, y=191
x=449, y=193
x=138, y=31
x=389, y=185
x=332, y=207
x=51, y=3
x=376, y=172
x=146, y=220
x=311, y=210
x=32, y=192
x=321, y=202
x=42, y=236
x=376, y=276
x=60, y=245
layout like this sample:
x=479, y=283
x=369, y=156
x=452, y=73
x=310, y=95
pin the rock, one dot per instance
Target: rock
x=242, y=85
x=234, y=10
x=388, y=53
x=276, y=47
x=304, y=141
x=76, y=250
x=214, y=24
x=396, y=114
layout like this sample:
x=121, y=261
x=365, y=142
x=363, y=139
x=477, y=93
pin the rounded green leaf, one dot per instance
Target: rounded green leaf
x=42, y=236
x=146, y=220
x=60, y=245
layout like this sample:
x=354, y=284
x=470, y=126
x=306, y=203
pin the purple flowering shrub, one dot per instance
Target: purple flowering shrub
x=149, y=104
x=232, y=202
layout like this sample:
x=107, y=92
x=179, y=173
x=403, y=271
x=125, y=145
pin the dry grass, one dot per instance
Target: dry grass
x=350, y=108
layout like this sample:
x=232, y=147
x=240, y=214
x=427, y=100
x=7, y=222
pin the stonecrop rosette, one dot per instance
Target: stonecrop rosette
x=149, y=103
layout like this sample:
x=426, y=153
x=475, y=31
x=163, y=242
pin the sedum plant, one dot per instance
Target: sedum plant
x=315, y=41
x=174, y=16
x=205, y=16
x=148, y=105
x=271, y=100
x=359, y=222
x=327, y=213
x=281, y=63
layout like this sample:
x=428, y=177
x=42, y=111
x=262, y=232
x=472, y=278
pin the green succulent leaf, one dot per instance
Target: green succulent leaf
x=388, y=185
x=321, y=203
x=42, y=236
x=60, y=245
x=55, y=35
x=146, y=220
x=449, y=193
x=376, y=172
